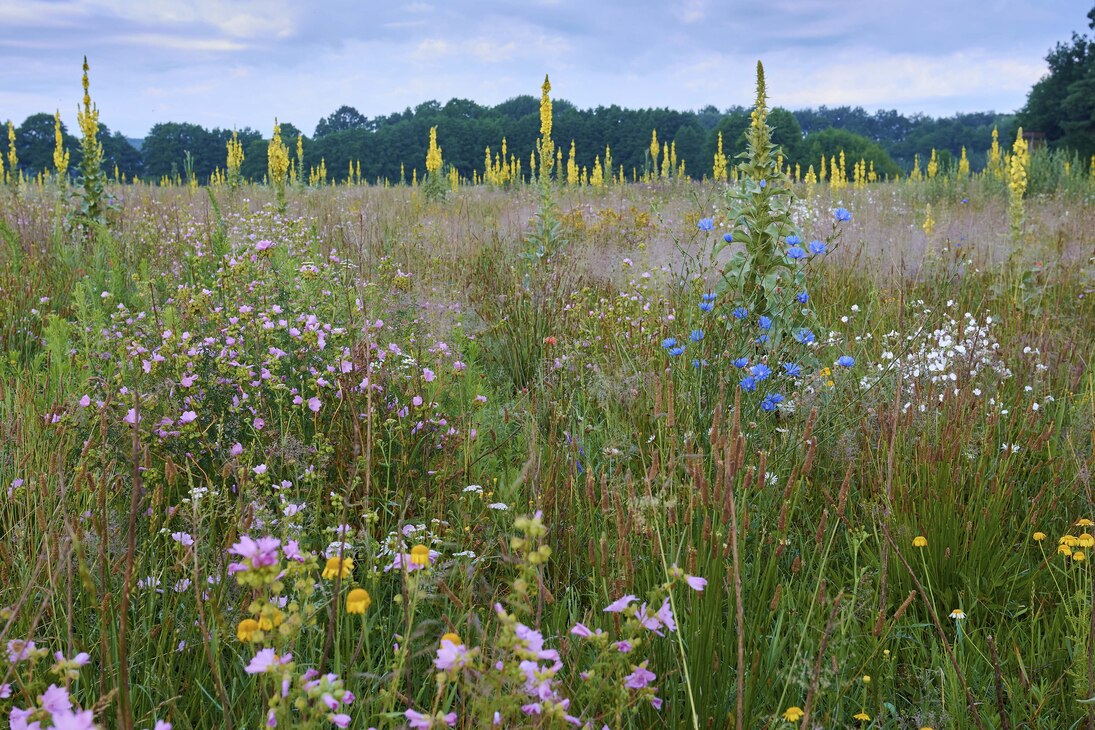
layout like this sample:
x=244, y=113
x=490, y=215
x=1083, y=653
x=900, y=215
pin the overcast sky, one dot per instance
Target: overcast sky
x=241, y=63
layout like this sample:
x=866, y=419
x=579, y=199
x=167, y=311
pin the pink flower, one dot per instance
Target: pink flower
x=19, y=650
x=640, y=677
x=236, y=450
x=340, y=720
x=55, y=699
x=18, y=719
x=162, y=725
x=131, y=416
x=695, y=582
x=450, y=655
x=665, y=615
x=418, y=720
x=581, y=630
x=85, y=401
x=5, y=691
x=266, y=659
x=183, y=538
x=620, y=604
x=79, y=721
x=188, y=417
x=624, y=647
x=260, y=469
x=314, y=404
x=261, y=554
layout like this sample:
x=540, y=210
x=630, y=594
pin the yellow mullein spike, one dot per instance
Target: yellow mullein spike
x=433, y=154
x=547, y=147
x=60, y=154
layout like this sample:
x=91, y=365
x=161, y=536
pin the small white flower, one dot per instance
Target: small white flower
x=500, y=506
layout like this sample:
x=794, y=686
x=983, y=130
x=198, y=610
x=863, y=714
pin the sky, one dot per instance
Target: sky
x=240, y=63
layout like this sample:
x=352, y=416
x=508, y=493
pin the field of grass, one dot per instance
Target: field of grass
x=548, y=514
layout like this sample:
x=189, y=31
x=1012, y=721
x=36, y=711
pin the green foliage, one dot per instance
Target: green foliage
x=1062, y=104
x=830, y=142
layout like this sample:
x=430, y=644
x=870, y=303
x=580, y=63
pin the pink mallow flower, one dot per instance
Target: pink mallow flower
x=260, y=554
x=69, y=720
x=265, y=660
x=620, y=604
x=639, y=678
x=450, y=656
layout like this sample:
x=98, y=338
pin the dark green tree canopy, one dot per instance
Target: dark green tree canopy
x=1062, y=104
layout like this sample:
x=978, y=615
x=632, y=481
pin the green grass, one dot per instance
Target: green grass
x=547, y=344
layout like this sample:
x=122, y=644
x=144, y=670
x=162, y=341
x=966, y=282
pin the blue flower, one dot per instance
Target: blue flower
x=765, y=323
x=696, y=335
x=771, y=401
x=796, y=252
x=698, y=363
x=802, y=297
x=805, y=336
x=842, y=214
x=728, y=237
x=708, y=297
x=706, y=224
x=845, y=361
x=792, y=369
x=748, y=384
x=793, y=240
x=818, y=247
x=674, y=351
x=741, y=362
x=740, y=313
x=760, y=371
x=669, y=342
x=706, y=306
x=762, y=339
x=763, y=183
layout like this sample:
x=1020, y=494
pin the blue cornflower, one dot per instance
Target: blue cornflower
x=765, y=323
x=763, y=183
x=965, y=200
x=796, y=252
x=792, y=369
x=674, y=351
x=748, y=384
x=842, y=214
x=706, y=306
x=802, y=297
x=669, y=342
x=760, y=371
x=740, y=313
x=793, y=240
x=845, y=361
x=805, y=336
x=761, y=339
x=771, y=401
x=706, y=224
x=696, y=335
x=698, y=363
x=708, y=297
x=728, y=237
x=818, y=247
x=741, y=362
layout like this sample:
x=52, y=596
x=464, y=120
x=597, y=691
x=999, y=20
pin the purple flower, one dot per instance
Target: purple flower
x=695, y=582
x=188, y=417
x=582, y=630
x=639, y=678
x=620, y=604
x=340, y=720
x=261, y=554
x=266, y=659
x=55, y=700
x=624, y=647
x=85, y=401
x=450, y=655
x=68, y=720
x=17, y=719
x=19, y=650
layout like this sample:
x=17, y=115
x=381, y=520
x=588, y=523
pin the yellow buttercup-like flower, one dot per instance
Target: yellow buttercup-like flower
x=1078, y=556
x=358, y=601
x=1084, y=522
x=338, y=567
x=420, y=555
x=1068, y=540
x=861, y=716
x=1085, y=540
x=1063, y=549
x=920, y=541
x=454, y=638
x=793, y=714
x=246, y=630
x=1039, y=536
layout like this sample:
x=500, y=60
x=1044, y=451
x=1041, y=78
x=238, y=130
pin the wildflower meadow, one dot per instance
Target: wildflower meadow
x=541, y=446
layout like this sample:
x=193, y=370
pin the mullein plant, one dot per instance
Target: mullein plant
x=1018, y=165
x=277, y=165
x=93, y=179
x=545, y=146
x=761, y=294
x=434, y=184
x=235, y=160
x=15, y=177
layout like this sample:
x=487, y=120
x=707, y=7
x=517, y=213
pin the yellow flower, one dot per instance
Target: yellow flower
x=420, y=555
x=1068, y=540
x=358, y=601
x=340, y=567
x=1039, y=536
x=920, y=541
x=247, y=629
x=1084, y=522
x=454, y=638
x=866, y=679
x=1085, y=540
x=793, y=714
x=1079, y=556
x=861, y=716
x=958, y=614
x=1063, y=549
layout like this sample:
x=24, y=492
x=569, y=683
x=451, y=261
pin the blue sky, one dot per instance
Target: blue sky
x=242, y=63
